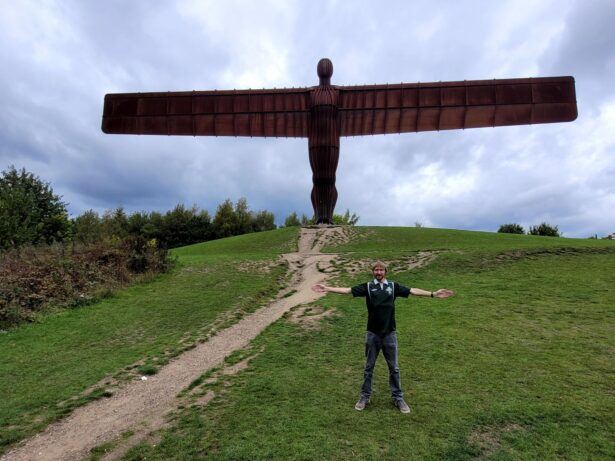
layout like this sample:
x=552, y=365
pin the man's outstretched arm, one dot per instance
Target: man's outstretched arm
x=322, y=288
x=441, y=293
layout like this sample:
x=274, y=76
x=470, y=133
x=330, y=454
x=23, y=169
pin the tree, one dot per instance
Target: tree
x=511, y=229
x=138, y=224
x=87, y=227
x=243, y=217
x=29, y=210
x=201, y=228
x=545, y=229
x=115, y=223
x=224, y=220
x=176, y=226
x=181, y=226
x=263, y=221
x=292, y=220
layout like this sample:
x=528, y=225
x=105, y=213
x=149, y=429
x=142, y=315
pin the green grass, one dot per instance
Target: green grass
x=399, y=240
x=63, y=355
x=518, y=365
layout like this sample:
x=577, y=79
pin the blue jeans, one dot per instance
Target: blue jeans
x=388, y=344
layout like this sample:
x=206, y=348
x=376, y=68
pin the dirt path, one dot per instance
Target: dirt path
x=142, y=405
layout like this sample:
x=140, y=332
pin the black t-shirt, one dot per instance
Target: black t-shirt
x=380, y=304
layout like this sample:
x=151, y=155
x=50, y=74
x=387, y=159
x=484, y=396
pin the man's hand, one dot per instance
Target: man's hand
x=443, y=293
x=319, y=288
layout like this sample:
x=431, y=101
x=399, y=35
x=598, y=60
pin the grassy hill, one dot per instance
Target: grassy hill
x=518, y=365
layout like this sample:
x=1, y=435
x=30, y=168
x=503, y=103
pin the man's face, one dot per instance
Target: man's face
x=379, y=273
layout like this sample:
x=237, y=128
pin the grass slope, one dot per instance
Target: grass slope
x=49, y=367
x=519, y=365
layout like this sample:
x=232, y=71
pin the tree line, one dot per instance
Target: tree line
x=177, y=227
x=31, y=214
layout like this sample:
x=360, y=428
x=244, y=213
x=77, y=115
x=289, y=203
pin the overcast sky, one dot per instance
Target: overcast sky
x=59, y=59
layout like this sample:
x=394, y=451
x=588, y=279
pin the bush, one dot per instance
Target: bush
x=305, y=221
x=30, y=213
x=545, y=230
x=35, y=279
x=345, y=219
x=511, y=229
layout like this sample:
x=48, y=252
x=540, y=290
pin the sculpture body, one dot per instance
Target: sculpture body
x=325, y=112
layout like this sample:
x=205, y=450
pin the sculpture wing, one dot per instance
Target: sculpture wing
x=406, y=107
x=262, y=113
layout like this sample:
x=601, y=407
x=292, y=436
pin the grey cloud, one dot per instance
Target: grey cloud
x=51, y=120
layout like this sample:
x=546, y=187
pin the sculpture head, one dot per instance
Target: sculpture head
x=325, y=71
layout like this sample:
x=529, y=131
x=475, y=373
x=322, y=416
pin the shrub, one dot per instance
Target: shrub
x=545, y=230
x=511, y=229
x=345, y=219
x=305, y=221
x=35, y=279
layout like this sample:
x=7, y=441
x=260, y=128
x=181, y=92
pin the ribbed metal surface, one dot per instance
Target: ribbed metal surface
x=259, y=113
x=402, y=108
x=324, y=149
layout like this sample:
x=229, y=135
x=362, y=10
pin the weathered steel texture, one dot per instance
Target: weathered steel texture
x=325, y=112
x=259, y=113
x=324, y=143
x=402, y=108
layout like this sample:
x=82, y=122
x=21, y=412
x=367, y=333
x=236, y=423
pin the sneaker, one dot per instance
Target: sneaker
x=402, y=406
x=360, y=405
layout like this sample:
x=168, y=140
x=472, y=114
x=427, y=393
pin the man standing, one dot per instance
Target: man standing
x=380, y=297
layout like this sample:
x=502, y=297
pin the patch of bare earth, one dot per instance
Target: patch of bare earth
x=309, y=317
x=487, y=440
x=407, y=263
x=140, y=406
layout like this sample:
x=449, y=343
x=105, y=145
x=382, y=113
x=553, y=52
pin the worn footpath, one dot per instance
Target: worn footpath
x=140, y=406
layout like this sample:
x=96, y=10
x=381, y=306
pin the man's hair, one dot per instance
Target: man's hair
x=380, y=264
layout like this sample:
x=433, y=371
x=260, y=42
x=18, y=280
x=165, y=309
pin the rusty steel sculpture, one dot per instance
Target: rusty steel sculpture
x=325, y=112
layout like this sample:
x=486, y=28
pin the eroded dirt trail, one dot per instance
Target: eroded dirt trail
x=143, y=404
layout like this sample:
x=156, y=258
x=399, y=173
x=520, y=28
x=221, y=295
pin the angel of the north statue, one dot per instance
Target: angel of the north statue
x=325, y=112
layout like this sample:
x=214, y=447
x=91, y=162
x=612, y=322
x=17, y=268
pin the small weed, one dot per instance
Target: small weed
x=147, y=369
